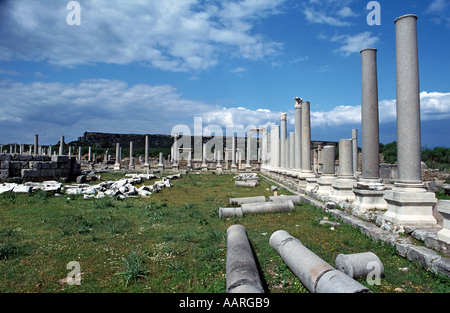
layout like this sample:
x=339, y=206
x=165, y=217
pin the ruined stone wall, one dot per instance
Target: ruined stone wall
x=23, y=167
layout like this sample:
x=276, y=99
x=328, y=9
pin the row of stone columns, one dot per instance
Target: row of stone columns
x=408, y=203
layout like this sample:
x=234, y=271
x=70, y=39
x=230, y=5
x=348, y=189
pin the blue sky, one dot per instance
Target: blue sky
x=145, y=66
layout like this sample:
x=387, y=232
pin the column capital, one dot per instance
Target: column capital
x=283, y=116
x=298, y=102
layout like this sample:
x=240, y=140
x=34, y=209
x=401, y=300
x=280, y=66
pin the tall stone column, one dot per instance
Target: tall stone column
x=131, y=164
x=355, y=150
x=90, y=154
x=276, y=146
x=233, y=154
x=161, y=162
x=189, y=165
x=175, y=151
x=306, y=173
x=264, y=144
x=298, y=134
x=36, y=144
x=146, y=164
x=328, y=172
x=292, y=150
x=283, y=141
x=61, y=146
x=249, y=151
x=343, y=185
x=409, y=203
x=219, y=161
x=79, y=153
x=369, y=191
x=117, y=164
x=204, y=164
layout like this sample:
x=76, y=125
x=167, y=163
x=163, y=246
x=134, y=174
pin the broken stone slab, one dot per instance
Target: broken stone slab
x=240, y=201
x=7, y=187
x=242, y=275
x=444, y=209
x=22, y=189
x=314, y=273
x=359, y=265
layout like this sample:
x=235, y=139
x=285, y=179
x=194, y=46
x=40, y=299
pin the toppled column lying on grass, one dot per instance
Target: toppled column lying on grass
x=359, y=265
x=254, y=208
x=295, y=198
x=240, y=201
x=314, y=273
x=241, y=270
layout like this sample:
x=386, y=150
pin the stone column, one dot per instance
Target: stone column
x=298, y=134
x=369, y=191
x=79, y=153
x=328, y=171
x=343, y=185
x=204, y=164
x=249, y=151
x=175, y=151
x=90, y=154
x=36, y=144
x=161, y=162
x=117, y=164
x=189, y=164
x=409, y=203
x=233, y=154
x=219, y=160
x=306, y=176
x=146, y=164
x=292, y=150
x=264, y=144
x=283, y=141
x=61, y=146
x=276, y=146
x=355, y=150
x=131, y=164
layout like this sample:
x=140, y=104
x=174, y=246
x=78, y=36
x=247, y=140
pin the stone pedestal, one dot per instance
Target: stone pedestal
x=311, y=184
x=324, y=184
x=369, y=196
x=410, y=206
x=444, y=209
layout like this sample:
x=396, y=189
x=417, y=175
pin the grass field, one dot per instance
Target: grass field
x=173, y=241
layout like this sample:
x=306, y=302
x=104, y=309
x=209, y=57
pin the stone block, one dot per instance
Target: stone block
x=4, y=173
x=422, y=255
x=5, y=157
x=60, y=158
x=30, y=173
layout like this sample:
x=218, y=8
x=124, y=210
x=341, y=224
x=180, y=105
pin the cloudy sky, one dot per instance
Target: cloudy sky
x=144, y=66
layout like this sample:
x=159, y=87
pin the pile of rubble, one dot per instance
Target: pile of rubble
x=122, y=188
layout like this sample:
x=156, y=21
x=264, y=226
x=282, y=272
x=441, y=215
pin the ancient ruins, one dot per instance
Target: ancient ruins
x=394, y=198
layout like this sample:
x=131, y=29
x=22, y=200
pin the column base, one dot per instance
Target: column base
x=324, y=183
x=369, y=195
x=204, y=167
x=117, y=167
x=175, y=167
x=311, y=184
x=160, y=168
x=234, y=168
x=342, y=190
x=147, y=167
x=410, y=204
x=302, y=183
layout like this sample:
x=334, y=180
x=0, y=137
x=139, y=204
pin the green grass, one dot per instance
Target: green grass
x=172, y=241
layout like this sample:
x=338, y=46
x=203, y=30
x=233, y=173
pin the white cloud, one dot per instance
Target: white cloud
x=318, y=17
x=356, y=43
x=171, y=35
x=55, y=109
x=346, y=12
